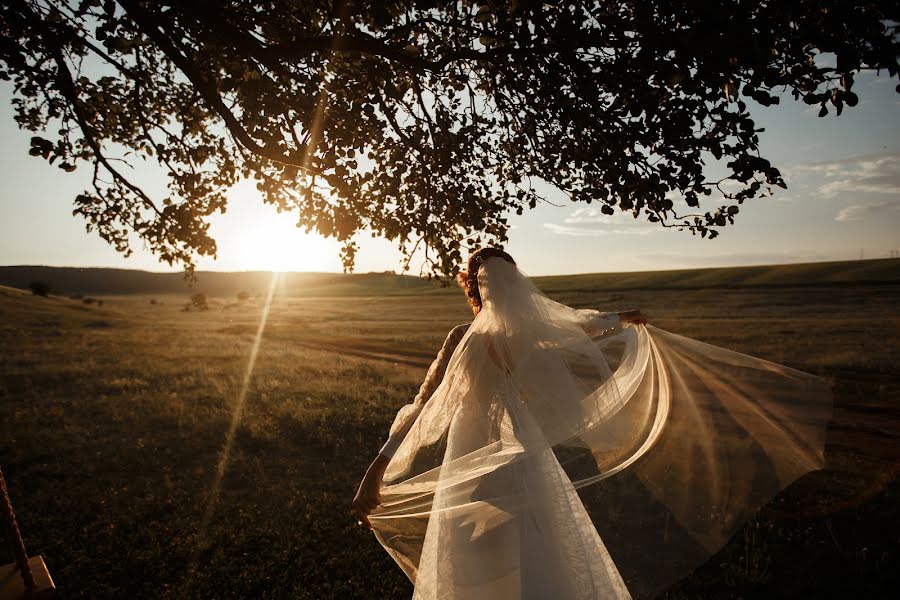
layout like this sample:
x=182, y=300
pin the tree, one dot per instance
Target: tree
x=39, y=288
x=425, y=121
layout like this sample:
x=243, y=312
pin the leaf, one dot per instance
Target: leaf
x=484, y=14
x=617, y=107
x=691, y=199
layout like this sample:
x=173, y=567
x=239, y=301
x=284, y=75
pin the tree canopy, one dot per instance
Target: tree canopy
x=427, y=122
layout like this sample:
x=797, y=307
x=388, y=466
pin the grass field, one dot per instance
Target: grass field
x=113, y=421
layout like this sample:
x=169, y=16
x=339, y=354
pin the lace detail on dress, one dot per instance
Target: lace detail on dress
x=407, y=415
x=439, y=365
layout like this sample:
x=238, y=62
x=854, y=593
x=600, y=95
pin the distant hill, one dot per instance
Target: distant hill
x=73, y=280
x=881, y=271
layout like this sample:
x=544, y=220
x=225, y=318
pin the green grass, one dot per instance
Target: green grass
x=113, y=418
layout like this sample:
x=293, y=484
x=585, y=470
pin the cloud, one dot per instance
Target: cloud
x=858, y=212
x=844, y=186
x=594, y=232
x=591, y=222
x=870, y=184
x=863, y=181
x=854, y=165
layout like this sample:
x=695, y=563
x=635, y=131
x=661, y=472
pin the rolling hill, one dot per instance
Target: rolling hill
x=74, y=280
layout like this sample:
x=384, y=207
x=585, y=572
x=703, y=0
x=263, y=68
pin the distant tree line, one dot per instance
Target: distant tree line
x=39, y=288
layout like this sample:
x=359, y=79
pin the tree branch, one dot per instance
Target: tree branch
x=206, y=89
x=67, y=89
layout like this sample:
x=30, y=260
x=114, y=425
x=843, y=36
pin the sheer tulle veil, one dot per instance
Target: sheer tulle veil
x=566, y=455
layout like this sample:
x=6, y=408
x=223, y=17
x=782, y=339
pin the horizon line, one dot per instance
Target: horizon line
x=408, y=274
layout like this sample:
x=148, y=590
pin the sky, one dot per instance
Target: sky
x=842, y=203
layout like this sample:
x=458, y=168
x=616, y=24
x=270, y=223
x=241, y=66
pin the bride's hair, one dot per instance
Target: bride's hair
x=468, y=279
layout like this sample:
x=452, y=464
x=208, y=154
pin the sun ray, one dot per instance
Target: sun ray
x=225, y=454
x=315, y=131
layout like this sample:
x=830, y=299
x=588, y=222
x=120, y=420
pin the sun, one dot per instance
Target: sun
x=252, y=236
x=275, y=244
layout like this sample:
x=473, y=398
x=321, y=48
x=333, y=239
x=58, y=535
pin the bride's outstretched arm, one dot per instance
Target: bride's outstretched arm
x=603, y=324
x=368, y=496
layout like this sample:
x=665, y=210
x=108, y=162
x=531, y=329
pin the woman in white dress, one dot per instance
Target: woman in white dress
x=672, y=442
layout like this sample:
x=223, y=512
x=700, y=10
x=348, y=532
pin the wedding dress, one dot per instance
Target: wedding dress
x=557, y=453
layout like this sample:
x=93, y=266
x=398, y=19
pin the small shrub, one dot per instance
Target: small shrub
x=88, y=300
x=39, y=288
x=243, y=296
x=153, y=301
x=199, y=301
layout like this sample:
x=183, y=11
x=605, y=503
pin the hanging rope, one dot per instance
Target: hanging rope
x=9, y=517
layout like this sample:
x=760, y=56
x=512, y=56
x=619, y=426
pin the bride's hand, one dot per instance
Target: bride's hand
x=368, y=496
x=633, y=316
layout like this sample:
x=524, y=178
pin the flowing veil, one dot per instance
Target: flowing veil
x=566, y=456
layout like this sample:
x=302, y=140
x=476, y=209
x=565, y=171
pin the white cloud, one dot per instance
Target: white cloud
x=589, y=221
x=851, y=178
x=852, y=167
x=863, y=181
x=845, y=186
x=858, y=212
x=594, y=232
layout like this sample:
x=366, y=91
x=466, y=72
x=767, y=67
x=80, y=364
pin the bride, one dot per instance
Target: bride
x=572, y=454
